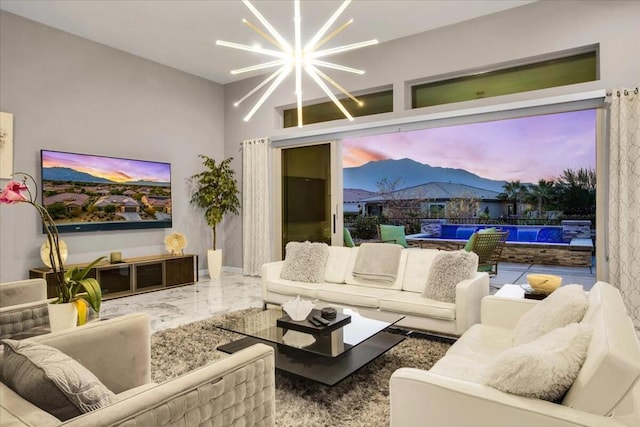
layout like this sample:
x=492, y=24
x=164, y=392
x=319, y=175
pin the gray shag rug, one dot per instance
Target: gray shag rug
x=360, y=400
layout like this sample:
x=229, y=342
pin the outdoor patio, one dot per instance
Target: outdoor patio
x=515, y=273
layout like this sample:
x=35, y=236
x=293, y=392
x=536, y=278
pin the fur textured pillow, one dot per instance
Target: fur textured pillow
x=51, y=380
x=565, y=305
x=544, y=368
x=305, y=262
x=448, y=269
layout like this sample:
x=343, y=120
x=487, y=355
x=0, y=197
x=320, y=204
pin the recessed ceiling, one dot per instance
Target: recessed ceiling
x=182, y=34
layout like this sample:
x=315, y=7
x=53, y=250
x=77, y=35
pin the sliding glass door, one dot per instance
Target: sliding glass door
x=308, y=196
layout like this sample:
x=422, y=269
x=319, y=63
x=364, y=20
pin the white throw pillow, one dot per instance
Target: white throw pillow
x=447, y=270
x=565, y=305
x=305, y=262
x=544, y=368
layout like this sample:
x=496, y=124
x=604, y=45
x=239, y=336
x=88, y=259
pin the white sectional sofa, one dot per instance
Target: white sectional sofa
x=403, y=296
x=606, y=391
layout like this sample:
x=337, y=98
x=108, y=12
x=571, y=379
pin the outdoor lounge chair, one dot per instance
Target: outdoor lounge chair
x=488, y=246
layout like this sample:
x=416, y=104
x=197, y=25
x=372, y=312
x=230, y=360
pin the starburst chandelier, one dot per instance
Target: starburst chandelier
x=297, y=58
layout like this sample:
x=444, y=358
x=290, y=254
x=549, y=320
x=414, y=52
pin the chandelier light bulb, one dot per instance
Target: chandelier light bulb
x=297, y=58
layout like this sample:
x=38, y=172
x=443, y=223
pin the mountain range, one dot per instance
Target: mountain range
x=68, y=174
x=412, y=173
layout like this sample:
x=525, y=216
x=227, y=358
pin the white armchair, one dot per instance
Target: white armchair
x=23, y=307
x=237, y=390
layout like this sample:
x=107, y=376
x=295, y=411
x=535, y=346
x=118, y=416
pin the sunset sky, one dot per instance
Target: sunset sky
x=526, y=149
x=118, y=170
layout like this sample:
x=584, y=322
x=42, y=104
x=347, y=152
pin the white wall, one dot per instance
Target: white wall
x=536, y=29
x=70, y=94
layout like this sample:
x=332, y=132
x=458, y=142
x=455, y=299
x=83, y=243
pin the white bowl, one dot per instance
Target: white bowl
x=298, y=309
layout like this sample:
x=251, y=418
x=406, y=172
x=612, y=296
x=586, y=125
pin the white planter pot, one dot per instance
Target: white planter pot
x=62, y=316
x=214, y=262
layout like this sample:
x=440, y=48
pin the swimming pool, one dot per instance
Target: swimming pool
x=519, y=233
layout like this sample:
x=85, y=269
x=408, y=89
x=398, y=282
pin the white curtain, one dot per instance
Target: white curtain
x=624, y=197
x=256, y=242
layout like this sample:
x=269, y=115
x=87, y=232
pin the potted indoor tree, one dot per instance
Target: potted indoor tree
x=216, y=191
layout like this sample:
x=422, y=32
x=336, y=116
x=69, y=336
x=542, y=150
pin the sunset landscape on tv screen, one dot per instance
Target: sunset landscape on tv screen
x=91, y=193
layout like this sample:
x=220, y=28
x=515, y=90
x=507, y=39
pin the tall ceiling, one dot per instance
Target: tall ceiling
x=182, y=33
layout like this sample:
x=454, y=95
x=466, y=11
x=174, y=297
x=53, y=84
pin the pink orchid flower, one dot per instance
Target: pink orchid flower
x=12, y=193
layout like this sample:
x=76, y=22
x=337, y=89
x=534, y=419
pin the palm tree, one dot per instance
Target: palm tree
x=515, y=192
x=541, y=194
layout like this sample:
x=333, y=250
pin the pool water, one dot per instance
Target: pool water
x=521, y=233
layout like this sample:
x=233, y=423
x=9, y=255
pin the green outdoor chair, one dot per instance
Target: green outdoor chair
x=488, y=245
x=348, y=240
x=392, y=234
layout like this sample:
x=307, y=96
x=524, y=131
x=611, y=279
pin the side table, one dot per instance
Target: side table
x=510, y=291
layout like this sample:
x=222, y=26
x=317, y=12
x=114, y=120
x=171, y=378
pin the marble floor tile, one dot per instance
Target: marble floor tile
x=173, y=307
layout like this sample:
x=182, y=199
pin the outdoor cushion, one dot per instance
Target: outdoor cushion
x=395, y=233
x=472, y=240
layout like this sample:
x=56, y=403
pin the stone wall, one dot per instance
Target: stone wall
x=522, y=253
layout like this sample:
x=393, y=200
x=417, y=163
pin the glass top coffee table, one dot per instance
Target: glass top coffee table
x=326, y=354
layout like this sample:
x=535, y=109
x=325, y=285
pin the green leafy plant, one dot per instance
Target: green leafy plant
x=71, y=282
x=216, y=191
x=76, y=281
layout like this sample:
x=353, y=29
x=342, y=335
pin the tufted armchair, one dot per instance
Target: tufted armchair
x=23, y=308
x=237, y=390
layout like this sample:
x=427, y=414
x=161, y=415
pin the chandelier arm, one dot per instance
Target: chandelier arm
x=336, y=66
x=284, y=72
x=341, y=49
x=340, y=88
x=277, y=62
x=263, y=34
x=312, y=71
x=298, y=60
x=258, y=87
x=254, y=49
x=267, y=25
x=332, y=35
x=322, y=31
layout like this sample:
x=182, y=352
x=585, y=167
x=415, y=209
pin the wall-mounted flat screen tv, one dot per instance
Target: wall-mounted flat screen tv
x=85, y=192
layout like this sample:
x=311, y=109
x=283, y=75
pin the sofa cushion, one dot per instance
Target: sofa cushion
x=565, y=305
x=417, y=268
x=337, y=263
x=447, y=270
x=350, y=279
x=415, y=304
x=305, y=262
x=612, y=365
x=544, y=368
x=482, y=343
x=288, y=287
x=16, y=411
x=52, y=380
x=353, y=295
